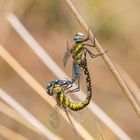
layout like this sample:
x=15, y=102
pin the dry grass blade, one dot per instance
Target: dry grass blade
x=5, y=109
x=9, y=134
x=105, y=57
x=58, y=72
x=130, y=83
x=100, y=130
x=39, y=89
x=29, y=117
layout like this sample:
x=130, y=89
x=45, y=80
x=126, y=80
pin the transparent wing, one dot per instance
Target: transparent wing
x=72, y=125
x=79, y=116
x=54, y=118
x=67, y=55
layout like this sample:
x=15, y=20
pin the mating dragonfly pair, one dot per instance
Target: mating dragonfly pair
x=60, y=88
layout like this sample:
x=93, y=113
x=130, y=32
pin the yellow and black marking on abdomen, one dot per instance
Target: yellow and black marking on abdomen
x=63, y=100
x=88, y=81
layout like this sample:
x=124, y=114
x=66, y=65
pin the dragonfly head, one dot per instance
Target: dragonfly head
x=54, y=87
x=80, y=37
x=48, y=89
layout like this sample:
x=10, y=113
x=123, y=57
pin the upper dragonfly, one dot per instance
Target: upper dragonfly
x=78, y=53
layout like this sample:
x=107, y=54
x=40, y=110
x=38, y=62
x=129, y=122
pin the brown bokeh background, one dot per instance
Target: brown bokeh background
x=116, y=26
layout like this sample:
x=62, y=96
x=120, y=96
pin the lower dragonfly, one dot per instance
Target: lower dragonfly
x=58, y=88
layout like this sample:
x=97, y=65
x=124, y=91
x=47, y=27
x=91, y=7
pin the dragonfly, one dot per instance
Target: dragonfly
x=58, y=89
x=78, y=52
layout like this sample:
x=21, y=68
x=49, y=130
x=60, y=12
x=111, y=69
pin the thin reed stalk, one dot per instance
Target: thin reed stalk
x=58, y=72
x=130, y=83
x=100, y=131
x=10, y=134
x=39, y=89
x=28, y=116
x=105, y=57
x=5, y=109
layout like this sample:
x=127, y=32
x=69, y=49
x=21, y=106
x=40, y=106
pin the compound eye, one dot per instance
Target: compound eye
x=49, y=85
x=56, y=81
x=49, y=92
x=64, y=82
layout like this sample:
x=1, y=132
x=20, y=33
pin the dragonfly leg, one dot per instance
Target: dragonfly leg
x=68, y=86
x=76, y=89
x=95, y=55
x=100, y=54
x=94, y=44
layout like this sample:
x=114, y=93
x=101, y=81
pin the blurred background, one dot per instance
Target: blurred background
x=116, y=25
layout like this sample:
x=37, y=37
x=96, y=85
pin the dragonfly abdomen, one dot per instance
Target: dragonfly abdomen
x=77, y=106
x=63, y=100
x=88, y=81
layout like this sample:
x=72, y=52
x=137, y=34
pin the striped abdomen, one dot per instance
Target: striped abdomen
x=63, y=100
x=88, y=81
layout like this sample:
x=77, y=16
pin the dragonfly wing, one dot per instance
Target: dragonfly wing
x=67, y=55
x=54, y=119
x=79, y=116
x=65, y=58
x=72, y=125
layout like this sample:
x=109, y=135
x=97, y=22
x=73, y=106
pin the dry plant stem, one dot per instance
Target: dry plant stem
x=100, y=130
x=58, y=72
x=135, y=90
x=5, y=109
x=10, y=134
x=28, y=116
x=105, y=57
x=39, y=89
